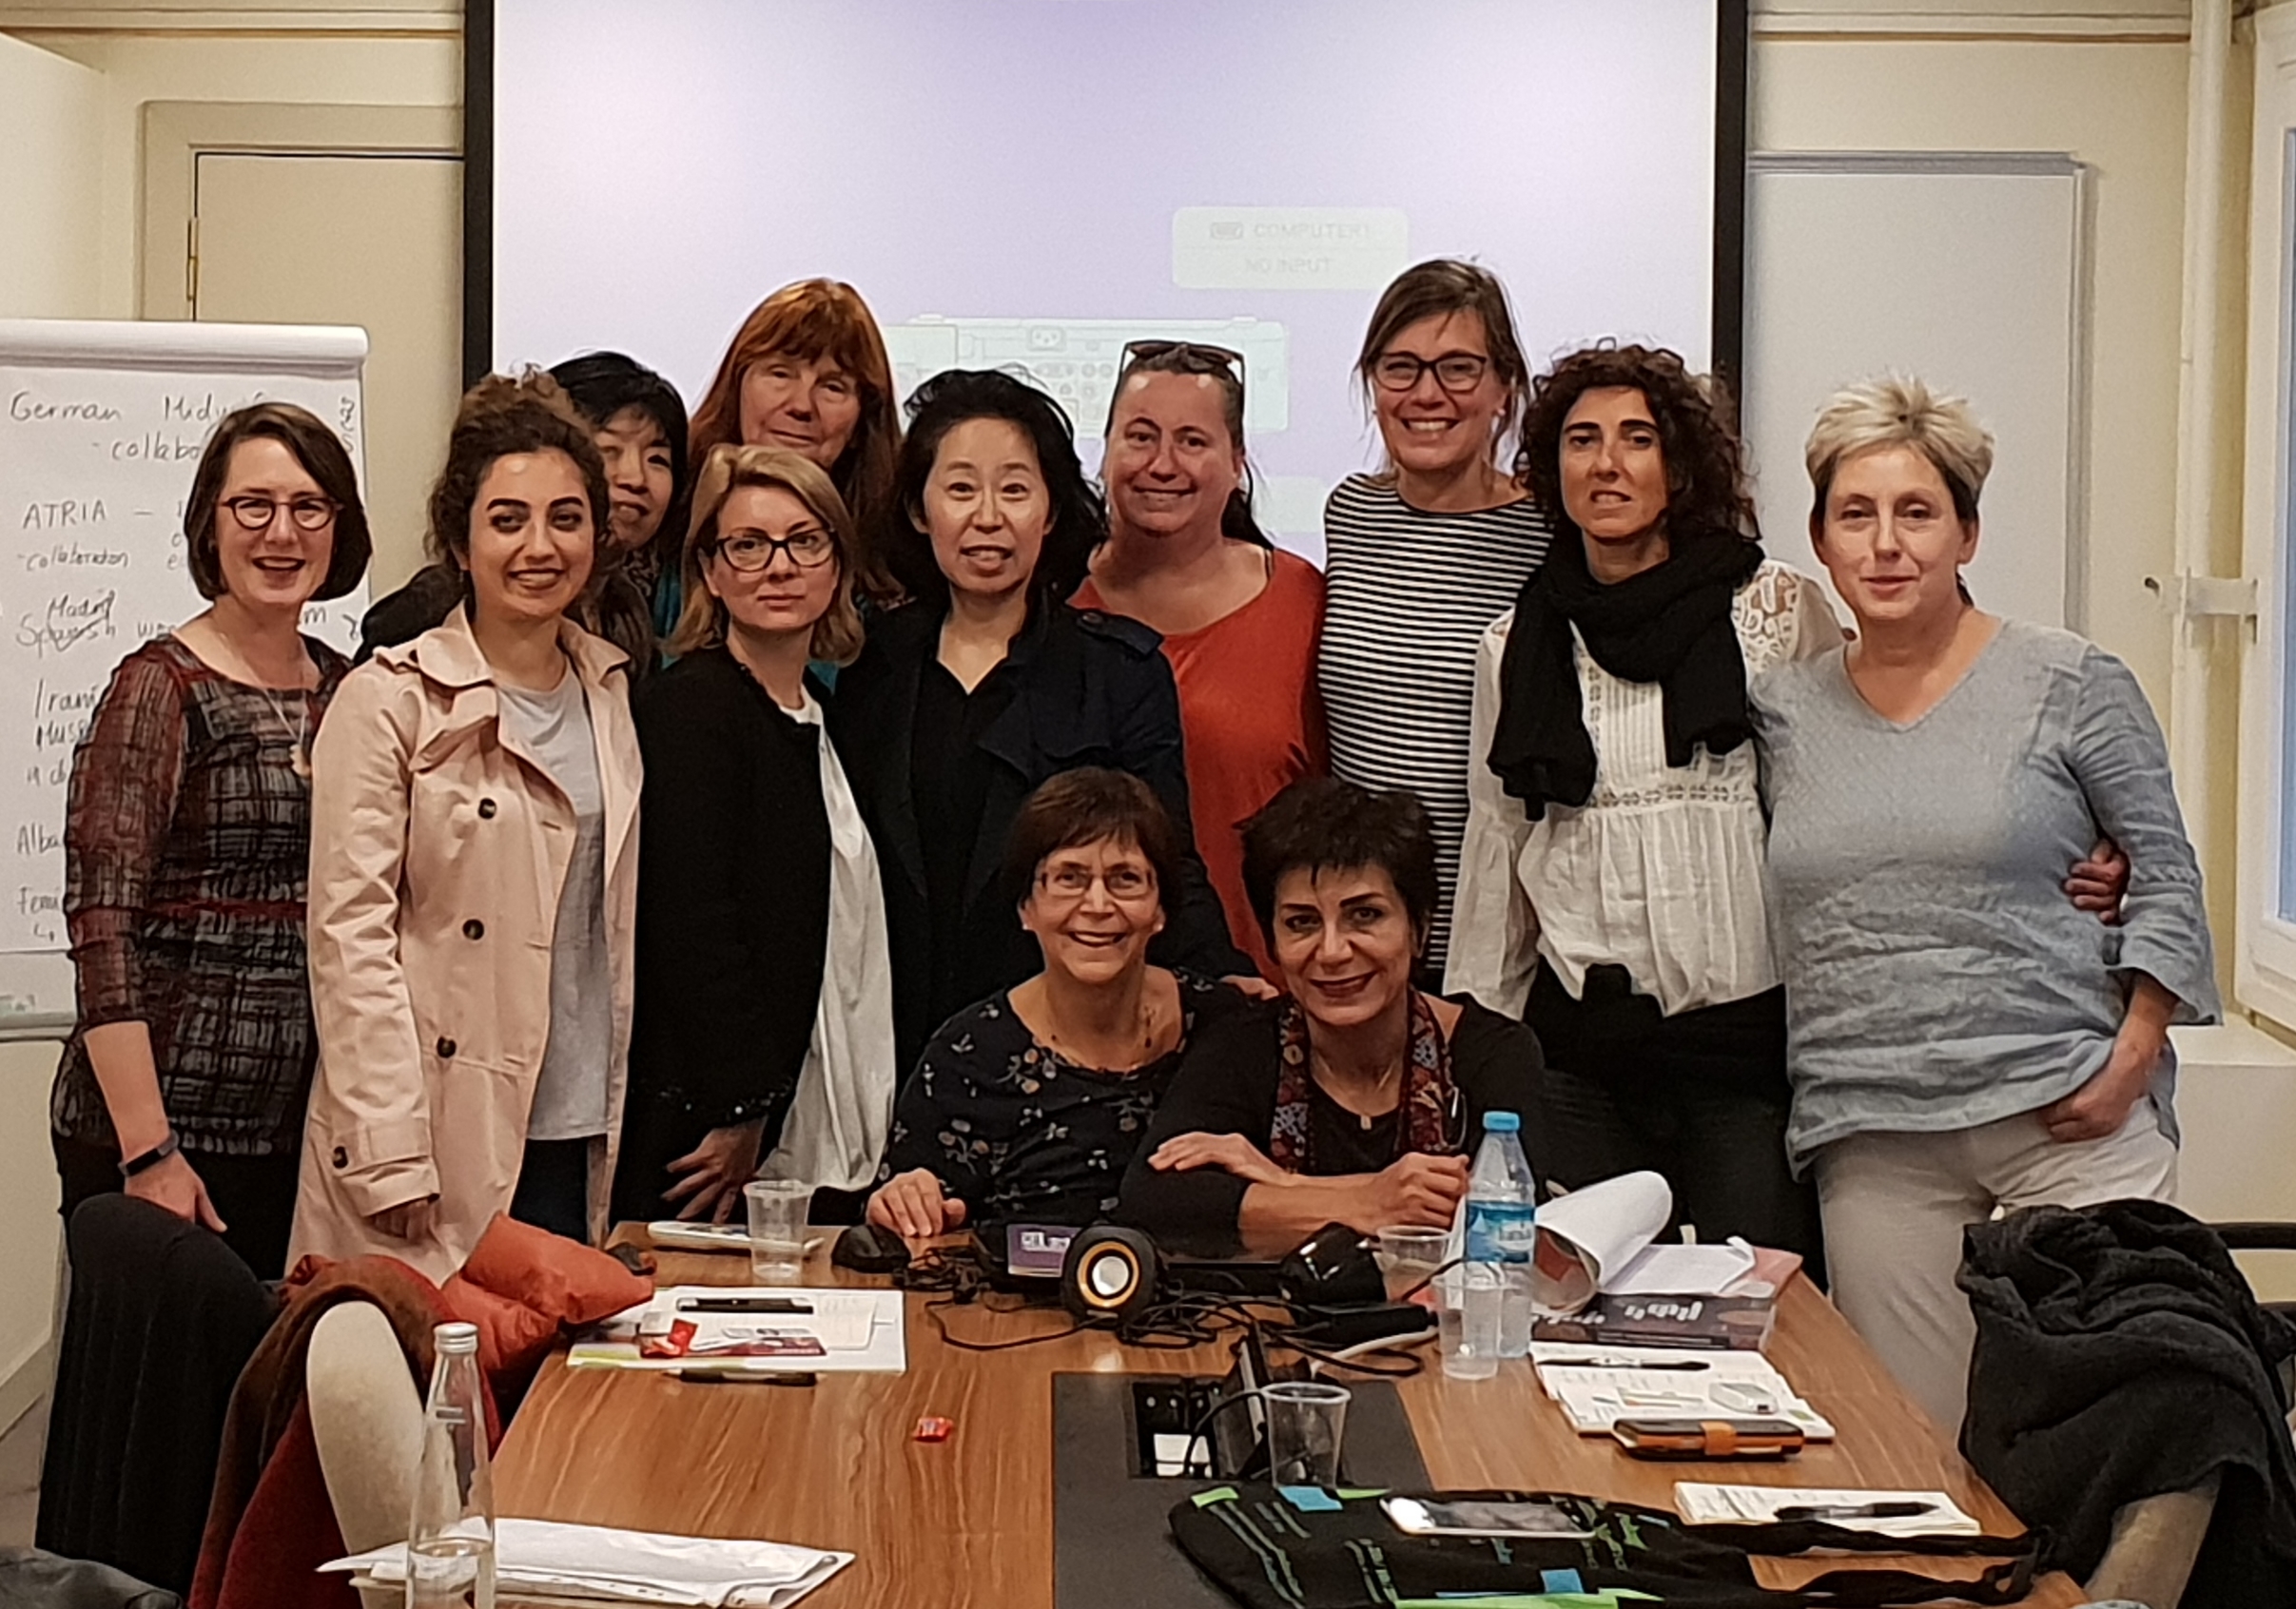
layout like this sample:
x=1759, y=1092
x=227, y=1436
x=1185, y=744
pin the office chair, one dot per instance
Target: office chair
x=366, y=1417
x=162, y=1316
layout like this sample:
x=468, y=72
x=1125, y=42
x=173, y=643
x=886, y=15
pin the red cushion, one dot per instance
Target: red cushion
x=512, y=1337
x=570, y=1282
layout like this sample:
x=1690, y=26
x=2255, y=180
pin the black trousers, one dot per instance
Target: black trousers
x=1701, y=1097
x=254, y=1195
x=553, y=1188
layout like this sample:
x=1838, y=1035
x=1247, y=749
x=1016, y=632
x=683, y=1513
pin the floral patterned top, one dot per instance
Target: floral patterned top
x=1016, y=1131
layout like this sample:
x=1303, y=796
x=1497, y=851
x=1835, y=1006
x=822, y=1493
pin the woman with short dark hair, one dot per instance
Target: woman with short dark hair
x=1028, y=1106
x=1353, y=1098
x=1610, y=889
x=186, y=837
x=984, y=685
x=474, y=874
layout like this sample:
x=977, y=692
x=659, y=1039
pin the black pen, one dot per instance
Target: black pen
x=745, y=1377
x=1854, y=1510
x=743, y=1304
x=1686, y=1365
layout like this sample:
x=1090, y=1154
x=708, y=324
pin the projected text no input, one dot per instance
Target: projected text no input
x=1289, y=247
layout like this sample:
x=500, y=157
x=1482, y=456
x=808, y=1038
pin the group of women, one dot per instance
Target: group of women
x=1014, y=847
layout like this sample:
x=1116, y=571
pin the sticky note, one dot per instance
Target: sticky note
x=1310, y=1499
x=1357, y=1494
x=1218, y=1494
x=1562, y=1581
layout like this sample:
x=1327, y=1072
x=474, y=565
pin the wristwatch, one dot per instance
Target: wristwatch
x=151, y=1158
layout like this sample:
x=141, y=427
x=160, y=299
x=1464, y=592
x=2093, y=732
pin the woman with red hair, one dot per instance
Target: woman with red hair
x=807, y=372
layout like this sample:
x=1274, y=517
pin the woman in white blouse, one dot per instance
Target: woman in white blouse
x=1610, y=886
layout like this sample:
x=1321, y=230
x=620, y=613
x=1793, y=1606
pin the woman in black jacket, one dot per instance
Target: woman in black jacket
x=987, y=685
x=763, y=1041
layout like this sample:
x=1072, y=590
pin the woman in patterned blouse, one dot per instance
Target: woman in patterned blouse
x=187, y=842
x=1028, y=1106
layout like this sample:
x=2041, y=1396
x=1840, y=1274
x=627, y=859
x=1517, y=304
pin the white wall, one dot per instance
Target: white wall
x=50, y=252
x=327, y=68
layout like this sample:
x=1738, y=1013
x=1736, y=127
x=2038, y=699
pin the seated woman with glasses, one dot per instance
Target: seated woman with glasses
x=1240, y=617
x=987, y=685
x=186, y=846
x=1357, y=1097
x=763, y=1020
x=1028, y=1106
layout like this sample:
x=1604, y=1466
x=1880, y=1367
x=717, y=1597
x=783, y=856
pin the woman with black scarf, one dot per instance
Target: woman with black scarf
x=1610, y=887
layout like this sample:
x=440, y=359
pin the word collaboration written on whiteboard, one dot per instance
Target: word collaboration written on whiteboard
x=97, y=452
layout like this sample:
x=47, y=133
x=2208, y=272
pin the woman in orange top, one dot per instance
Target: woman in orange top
x=1239, y=616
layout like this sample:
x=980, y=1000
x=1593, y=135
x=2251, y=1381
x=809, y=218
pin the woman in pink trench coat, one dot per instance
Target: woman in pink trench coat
x=443, y=841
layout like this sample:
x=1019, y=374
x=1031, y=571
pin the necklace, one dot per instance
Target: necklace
x=1142, y=1054
x=297, y=733
x=1392, y=1071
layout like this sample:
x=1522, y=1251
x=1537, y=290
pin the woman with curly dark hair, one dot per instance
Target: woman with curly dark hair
x=987, y=685
x=1610, y=888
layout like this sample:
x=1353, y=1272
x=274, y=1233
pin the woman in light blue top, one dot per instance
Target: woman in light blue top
x=1960, y=1036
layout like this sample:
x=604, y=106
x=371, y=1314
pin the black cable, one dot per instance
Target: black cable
x=933, y=1310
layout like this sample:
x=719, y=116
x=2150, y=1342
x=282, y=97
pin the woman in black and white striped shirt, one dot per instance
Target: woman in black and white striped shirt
x=1420, y=558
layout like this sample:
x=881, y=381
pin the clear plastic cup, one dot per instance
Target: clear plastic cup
x=1306, y=1420
x=1468, y=1328
x=1407, y=1255
x=777, y=1229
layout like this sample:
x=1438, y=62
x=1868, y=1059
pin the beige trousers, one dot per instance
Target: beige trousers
x=1895, y=1205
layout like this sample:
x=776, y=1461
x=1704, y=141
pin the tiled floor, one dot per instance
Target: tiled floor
x=20, y=1475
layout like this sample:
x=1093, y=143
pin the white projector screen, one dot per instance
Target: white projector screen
x=1034, y=182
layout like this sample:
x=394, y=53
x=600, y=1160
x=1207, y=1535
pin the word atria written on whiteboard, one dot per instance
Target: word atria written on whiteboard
x=101, y=430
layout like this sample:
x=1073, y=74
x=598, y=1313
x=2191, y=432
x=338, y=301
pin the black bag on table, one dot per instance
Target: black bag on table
x=1342, y=1552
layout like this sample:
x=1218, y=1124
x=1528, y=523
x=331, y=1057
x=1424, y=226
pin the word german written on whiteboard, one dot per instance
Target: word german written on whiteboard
x=96, y=461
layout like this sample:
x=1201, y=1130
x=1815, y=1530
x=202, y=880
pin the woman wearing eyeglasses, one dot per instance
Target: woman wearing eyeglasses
x=1028, y=1107
x=763, y=1043
x=1420, y=558
x=187, y=842
x=1238, y=616
x=987, y=685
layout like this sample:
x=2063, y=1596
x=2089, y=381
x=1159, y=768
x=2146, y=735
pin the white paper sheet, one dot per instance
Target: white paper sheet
x=1597, y=1386
x=1701, y=1502
x=864, y=1331
x=594, y=1561
x=1600, y=1228
x=1681, y=1270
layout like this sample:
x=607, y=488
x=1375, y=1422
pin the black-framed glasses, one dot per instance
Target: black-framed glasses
x=308, y=513
x=753, y=550
x=1187, y=358
x=1454, y=371
x=1124, y=883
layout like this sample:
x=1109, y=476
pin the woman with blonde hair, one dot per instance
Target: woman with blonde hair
x=1962, y=1037
x=764, y=1040
x=473, y=821
x=807, y=372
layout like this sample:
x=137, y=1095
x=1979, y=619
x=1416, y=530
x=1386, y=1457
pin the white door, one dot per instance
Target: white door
x=366, y=239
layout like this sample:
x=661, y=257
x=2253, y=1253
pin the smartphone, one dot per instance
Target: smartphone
x=1425, y=1517
x=1708, y=1438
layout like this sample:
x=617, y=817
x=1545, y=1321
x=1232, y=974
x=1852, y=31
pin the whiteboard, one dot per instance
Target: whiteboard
x=101, y=429
x=1967, y=270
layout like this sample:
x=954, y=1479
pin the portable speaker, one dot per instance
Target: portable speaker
x=1109, y=1273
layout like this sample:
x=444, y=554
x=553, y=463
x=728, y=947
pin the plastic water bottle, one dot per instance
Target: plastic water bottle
x=450, y=1539
x=1502, y=1218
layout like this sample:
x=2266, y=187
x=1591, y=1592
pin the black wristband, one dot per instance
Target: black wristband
x=151, y=1158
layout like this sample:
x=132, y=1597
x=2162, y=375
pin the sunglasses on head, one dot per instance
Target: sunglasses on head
x=1187, y=357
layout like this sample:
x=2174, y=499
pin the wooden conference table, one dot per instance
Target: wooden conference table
x=967, y=1523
